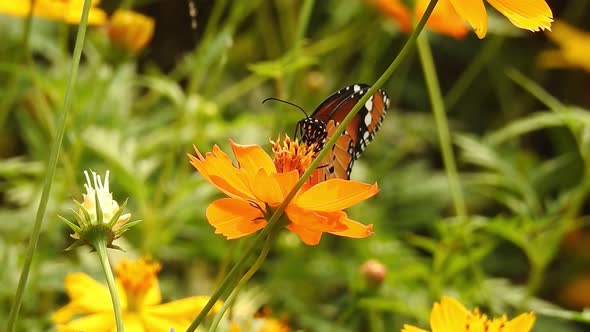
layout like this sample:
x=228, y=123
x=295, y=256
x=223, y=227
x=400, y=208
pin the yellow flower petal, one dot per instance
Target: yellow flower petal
x=354, y=229
x=153, y=295
x=474, y=12
x=522, y=323
x=315, y=221
x=234, y=218
x=100, y=322
x=532, y=15
x=132, y=322
x=186, y=308
x=217, y=168
x=335, y=195
x=444, y=18
x=308, y=237
x=252, y=158
x=266, y=188
x=448, y=315
x=409, y=328
x=88, y=294
x=156, y=324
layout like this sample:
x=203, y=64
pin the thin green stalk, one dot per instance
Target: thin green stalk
x=52, y=165
x=488, y=51
x=273, y=220
x=444, y=135
x=232, y=297
x=28, y=23
x=375, y=321
x=304, y=17
x=101, y=250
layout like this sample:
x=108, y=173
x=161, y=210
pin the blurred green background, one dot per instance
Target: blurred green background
x=520, y=134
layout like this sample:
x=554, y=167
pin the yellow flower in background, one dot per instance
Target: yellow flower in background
x=90, y=307
x=130, y=30
x=69, y=11
x=451, y=316
x=533, y=15
x=574, y=48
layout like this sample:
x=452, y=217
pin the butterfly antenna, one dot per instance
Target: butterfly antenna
x=286, y=102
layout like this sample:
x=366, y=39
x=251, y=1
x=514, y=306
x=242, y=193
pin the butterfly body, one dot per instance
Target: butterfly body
x=327, y=117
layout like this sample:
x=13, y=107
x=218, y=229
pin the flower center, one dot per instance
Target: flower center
x=292, y=155
x=137, y=277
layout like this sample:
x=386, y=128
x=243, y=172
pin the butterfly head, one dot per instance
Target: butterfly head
x=312, y=131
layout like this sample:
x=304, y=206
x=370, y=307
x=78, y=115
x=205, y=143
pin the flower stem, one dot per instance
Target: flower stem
x=274, y=219
x=444, y=135
x=232, y=297
x=101, y=249
x=28, y=23
x=231, y=275
x=304, y=17
x=52, y=165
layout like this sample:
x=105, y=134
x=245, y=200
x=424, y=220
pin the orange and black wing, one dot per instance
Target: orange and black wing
x=359, y=132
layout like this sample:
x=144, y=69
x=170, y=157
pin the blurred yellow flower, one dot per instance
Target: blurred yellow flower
x=451, y=316
x=90, y=308
x=130, y=30
x=574, y=48
x=69, y=11
x=531, y=15
x=444, y=19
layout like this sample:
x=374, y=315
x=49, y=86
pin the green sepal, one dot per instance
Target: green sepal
x=76, y=244
x=128, y=225
x=70, y=224
x=118, y=214
x=99, y=215
x=86, y=215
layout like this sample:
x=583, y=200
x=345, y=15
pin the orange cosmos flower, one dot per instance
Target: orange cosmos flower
x=258, y=185
x=130, y=30
x=451, y=316
x=444, y=19
x=90, y=306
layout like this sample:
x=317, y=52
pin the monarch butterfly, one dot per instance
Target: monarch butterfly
x=323, y=122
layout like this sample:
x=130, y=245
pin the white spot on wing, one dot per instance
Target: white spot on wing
x=369, y=104
x=357, y=88
x=368, y=119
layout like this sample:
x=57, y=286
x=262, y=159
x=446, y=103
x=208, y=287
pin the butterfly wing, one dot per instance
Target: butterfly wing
x=359, y=132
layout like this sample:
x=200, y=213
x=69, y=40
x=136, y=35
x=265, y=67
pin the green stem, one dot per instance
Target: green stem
x=27, y=32
x=101, y=250
x=274, y=219
x=462, y=84
x=232, y=297
x=52, y=165
x=299, y=36
x=444, y=135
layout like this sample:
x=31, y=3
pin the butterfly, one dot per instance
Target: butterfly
x=320, y=126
